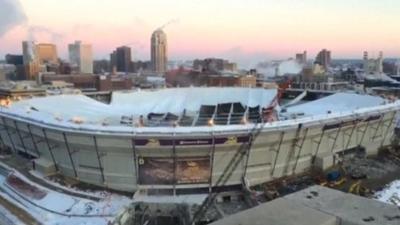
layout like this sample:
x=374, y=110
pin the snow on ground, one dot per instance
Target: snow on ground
x=390, y=194
x=7, y=218
x=189, y=199
x=61, y=209
x=95, y=194
x=72, y=205
x=55, y=208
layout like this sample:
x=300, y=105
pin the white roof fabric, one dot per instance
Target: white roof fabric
x=339, y=102
x=174, y=100
x=64, y=111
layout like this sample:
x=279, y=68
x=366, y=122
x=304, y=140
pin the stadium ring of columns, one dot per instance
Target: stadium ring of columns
x=180, y=160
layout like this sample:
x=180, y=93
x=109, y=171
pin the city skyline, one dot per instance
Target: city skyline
x=251, y=32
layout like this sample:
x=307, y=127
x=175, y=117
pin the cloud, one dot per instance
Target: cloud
x=11, y=15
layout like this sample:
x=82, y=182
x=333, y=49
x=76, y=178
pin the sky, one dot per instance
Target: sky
x=240, y=30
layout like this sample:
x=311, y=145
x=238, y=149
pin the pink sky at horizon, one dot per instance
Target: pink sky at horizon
x=235, y=29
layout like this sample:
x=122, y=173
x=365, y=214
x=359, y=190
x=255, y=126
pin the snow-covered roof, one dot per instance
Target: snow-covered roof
x=136, y=103
x=84, y=114
x=339, y=102
x=381, y=77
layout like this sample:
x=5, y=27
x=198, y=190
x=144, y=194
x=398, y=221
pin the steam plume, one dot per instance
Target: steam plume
x=33, y=31
x=270, y=69
x=11, y=15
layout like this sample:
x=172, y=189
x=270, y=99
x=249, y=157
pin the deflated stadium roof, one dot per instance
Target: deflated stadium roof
x=176, y=100
x=121, y=115
x=339, y=102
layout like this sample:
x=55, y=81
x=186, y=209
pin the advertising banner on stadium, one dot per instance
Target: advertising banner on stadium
x=192, y=170
x=161, y=171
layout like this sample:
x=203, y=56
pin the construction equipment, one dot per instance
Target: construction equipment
x=333, y=175
x=227, y=173
x=337, y=182
x=358, y=189
x=333, y=179
x=242, y=151
x=355, y=188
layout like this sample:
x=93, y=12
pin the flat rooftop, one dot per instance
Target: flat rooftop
x=318, y=205
x=279, y=212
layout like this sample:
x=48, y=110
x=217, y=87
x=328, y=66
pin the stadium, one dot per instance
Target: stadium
x=180, y=140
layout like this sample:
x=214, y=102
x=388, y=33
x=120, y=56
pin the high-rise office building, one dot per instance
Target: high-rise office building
x=17, y=61
x=373, y=66
x=47, y=53
x=30, y=60
x=81, y=57
x=14, y=59
x=159, y=51
x=29, y=51
x=113, y=61
x=324, y=58
x=301, y=57
x=124, y=58
x=121, y=59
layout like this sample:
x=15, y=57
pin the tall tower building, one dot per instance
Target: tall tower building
x=159, y=51
x=324, y=58
x=124, y=59
x=29, y=51
x=30, y=60
x=81, y=57
x=121, y=59
x=380, y=63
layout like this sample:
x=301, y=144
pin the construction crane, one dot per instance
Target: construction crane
x=176, y=20
x=241, y=152
x=226, y=174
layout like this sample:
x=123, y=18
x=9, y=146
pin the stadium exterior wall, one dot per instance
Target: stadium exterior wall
x=123, y=161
